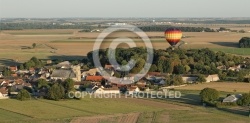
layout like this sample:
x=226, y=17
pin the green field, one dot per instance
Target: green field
x=237, y=51
x=150, y=110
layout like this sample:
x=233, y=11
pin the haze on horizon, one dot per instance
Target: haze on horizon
x=125, y=8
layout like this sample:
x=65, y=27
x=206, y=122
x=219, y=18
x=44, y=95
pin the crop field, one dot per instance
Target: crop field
x=118, y=110
x=221, y=86
x=16, y=45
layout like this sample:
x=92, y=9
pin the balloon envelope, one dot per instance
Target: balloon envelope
x=173, y=36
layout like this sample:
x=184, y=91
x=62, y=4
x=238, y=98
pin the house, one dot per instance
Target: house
x=65, y=64
x=222, y=67
x=92, y=72
x=133, y=90
x=155, y=79
x=32, y=70
x=235, y=68
x=3, y=93
x=77, y=70
x=108, y=67
x=113, y=90
x=212, y=78
x=92, y=88
x=13, y=68
x=63, y=74
x=1, y=75
x=77, y=85
x=141, y=84
x=94, y=78
x=19, y=82
x=49, y=61
x=232, y=98
x=189, y=78
x=14, y=75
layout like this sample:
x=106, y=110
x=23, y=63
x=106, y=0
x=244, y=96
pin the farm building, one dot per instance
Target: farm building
x=63, y=74
x=232, y=98
x=212, y=78
x=73, y=73
x=189, y=79
x=107, y=91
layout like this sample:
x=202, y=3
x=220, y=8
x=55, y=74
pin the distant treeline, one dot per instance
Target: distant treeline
x=21, y=26
x=88, y=28
x=244, y=42
x=216, y=21
x=159, y=28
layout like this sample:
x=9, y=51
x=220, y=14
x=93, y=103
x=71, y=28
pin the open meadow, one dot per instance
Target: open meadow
x=16, y=45
x=119, y=110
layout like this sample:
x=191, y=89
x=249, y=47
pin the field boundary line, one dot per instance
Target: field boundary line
x=17, y=113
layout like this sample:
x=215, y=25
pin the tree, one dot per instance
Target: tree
x=56, y=92
x=179, y=69
x=23, y=95
x=209, y=95
x=244, y=100
x=6, y=72
x=153, y=68
x=34, y=45
x=244, y=42
x=42, y=83
x=21, y=67
x=177, y=80
x=75, y=62
x=201, y=78
x=69, y=85
x=187, y=68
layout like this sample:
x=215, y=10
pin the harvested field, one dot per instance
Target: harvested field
x=75, y=45
x=117, y=118
x=221, y=86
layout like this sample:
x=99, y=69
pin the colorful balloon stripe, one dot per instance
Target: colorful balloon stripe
x=173, y=36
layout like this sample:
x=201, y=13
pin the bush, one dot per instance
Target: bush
x=225, y=104
x=244, y=100
x=209, y=95
x=244, y=42
x=56, y=92
x=23, y=95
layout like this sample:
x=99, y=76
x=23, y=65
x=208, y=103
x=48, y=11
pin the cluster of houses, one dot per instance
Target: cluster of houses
x=89, y=80
x=92, y=80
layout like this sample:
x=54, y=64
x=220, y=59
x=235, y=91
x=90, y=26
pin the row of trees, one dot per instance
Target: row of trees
x=178, y=61
x=53, y=91
x=161, y=28
x=33, y=62
x=43, y=25
x=244, y=42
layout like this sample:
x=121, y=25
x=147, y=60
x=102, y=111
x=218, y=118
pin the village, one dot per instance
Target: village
x=90, y=80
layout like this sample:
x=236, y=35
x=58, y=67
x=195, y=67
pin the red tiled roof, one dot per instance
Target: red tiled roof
x=19, y=81
x=154, y=73
x=94, y=78
x=32, y=69
x=14, y=75
x=108, y=66
x=13, y=68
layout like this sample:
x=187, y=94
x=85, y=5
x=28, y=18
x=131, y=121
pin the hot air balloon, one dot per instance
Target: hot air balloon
x=173, y=36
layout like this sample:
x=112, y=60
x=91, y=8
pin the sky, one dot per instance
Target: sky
x=123, y=8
